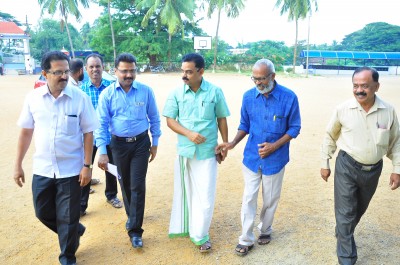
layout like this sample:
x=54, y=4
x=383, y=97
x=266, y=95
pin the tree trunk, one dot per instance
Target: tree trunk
x=112, y=30
x=169, y=49
x=69, y=37
x=295, y=47
x=216, y=41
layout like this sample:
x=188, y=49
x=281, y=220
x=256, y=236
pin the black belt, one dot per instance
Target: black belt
x=130, y=139
x=360, y=166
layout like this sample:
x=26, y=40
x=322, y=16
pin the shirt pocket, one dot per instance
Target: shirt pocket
x=278, y=124
x=71, y=124
x=139, y=109
x=382, y=138
x=208, y=110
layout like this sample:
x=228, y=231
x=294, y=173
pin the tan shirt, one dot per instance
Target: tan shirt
x=366, y=137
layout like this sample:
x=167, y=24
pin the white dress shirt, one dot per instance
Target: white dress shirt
x=59, y=125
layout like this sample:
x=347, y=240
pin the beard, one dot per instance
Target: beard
x=81, y=77
x=262, y=89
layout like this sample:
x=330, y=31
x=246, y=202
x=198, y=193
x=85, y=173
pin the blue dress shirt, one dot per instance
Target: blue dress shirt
x=267, y=120
x=127, y=114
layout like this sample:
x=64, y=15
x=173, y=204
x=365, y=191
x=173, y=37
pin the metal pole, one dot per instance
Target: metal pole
x=308, y=44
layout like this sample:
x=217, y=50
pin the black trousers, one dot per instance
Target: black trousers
x=111, y=183
x=56, y=203
x=132, y=159
x=354, y=186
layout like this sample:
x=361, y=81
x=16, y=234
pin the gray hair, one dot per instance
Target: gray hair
x=270, y=66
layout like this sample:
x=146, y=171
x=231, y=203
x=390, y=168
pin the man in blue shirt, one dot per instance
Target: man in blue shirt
x=195, y=111
x=270, y=115
x=93, y=88
x=128, y=109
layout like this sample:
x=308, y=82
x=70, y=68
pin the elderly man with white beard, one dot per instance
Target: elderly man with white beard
x=270, y=115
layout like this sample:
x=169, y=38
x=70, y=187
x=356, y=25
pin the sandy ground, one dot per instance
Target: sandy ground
x=304, y=222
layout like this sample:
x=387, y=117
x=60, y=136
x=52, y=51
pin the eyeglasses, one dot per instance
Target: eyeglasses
x=260, y=79
x=131, y=71
x=59, y=72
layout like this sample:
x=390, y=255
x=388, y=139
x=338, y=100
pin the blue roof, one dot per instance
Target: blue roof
x=351, y=55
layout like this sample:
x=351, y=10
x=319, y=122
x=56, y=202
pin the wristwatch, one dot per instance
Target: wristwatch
x=88, y=166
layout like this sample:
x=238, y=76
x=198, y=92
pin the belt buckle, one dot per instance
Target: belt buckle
x=366, y=168
x=130, y=139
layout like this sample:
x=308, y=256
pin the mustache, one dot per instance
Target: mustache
x=63, y=80
x=128, y=78
x=185, y=78
x=361, y=94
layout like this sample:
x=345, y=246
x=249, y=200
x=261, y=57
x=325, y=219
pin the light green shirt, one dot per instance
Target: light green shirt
x=197, y=112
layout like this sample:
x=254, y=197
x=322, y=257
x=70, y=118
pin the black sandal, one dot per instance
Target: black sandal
x=264, y=239
x=205, y=247
x=243, y=250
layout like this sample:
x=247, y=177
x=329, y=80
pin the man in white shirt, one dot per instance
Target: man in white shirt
x=61, y=117
x=76, y=75
x=364, y=129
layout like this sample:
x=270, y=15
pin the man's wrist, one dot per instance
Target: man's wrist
x=88, y=165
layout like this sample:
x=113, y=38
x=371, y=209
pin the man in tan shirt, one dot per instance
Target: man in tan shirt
x=364, y=129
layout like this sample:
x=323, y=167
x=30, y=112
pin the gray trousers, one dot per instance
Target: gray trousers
x=354, y=186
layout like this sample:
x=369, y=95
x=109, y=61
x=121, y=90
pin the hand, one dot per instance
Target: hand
x=222, y=150
x=103, y=161
x=394, y=181
x=196, y=138
x=325, y=173
x=265, y=149
x=19, y=176
x=85, y=176
x=153, y=153
x=219, y=158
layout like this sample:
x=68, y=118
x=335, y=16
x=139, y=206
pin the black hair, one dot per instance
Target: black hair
x=51, y=56
x=124, y=57
x=375, y=74
x=75, y=65
x=196, y=58
x=94, y=55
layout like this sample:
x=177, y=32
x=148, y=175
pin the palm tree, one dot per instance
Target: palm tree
x=65, y=7
x=297, y=9
x=108, y=2
x=168, y=13
x=232, y=9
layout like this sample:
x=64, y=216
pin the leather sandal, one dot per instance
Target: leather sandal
x=243, y=250
x=205, y=247
x=264, y=239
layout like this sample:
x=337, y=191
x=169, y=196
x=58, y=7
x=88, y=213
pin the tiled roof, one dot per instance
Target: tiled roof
x=10, y=28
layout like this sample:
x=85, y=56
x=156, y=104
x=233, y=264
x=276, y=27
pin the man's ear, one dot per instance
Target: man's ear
x=44, y=73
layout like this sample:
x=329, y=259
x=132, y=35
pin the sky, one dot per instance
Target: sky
x=260, y=20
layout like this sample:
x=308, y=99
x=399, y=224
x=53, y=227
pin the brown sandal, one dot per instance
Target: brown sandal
x=205, y=247
x=243, y=250
x=264, y=239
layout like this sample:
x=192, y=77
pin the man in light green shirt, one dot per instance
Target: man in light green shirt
x=195, y=111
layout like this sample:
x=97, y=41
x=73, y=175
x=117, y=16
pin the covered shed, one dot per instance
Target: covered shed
x=381, y=61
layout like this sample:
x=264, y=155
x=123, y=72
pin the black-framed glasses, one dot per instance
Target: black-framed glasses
x=130, y=71
x=59, y=72
x=260, y=79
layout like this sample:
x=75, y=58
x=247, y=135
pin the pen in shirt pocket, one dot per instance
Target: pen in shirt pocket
x=72, y=116
x=277, y=117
